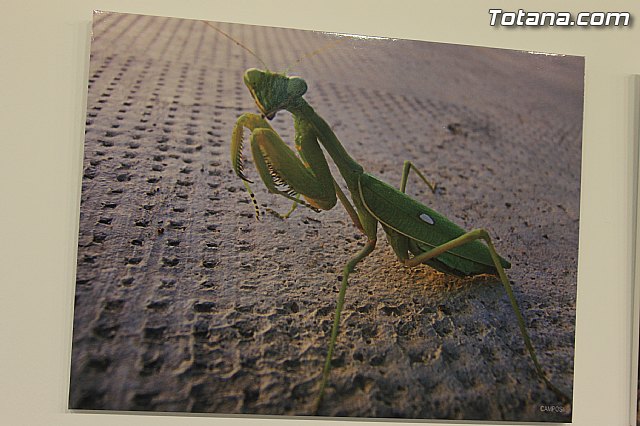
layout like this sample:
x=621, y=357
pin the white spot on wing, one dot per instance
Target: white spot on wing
x=425, y=217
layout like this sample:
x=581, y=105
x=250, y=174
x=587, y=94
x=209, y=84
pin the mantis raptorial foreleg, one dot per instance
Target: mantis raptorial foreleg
x=280, y=168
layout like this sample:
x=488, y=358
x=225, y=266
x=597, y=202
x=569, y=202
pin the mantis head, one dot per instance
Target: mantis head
x=273, y=91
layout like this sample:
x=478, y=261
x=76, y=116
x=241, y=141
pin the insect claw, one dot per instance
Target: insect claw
x=240, y=171
x=244, y=178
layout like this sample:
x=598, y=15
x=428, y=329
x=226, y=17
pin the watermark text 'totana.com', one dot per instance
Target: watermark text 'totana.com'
x=522, y=18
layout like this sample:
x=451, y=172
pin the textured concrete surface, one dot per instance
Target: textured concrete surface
x=184, y=302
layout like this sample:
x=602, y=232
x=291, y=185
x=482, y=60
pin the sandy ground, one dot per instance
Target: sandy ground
x=184, y=302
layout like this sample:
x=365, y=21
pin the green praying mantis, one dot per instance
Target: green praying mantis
x=417, y=234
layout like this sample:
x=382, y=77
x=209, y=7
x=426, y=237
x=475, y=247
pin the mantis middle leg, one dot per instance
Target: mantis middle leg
x=349, y=267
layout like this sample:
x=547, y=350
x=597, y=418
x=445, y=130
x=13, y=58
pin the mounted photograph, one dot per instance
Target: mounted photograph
x=287, y=222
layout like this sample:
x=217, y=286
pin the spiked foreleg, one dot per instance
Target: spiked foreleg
x=251, y=122
x=279, y=168
x=284, y=173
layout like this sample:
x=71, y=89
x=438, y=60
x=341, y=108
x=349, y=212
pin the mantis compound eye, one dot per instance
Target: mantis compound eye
x=252, y=76
x=297, y=87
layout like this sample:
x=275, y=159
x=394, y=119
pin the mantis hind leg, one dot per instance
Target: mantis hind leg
x=349, y=267
x=484, y=235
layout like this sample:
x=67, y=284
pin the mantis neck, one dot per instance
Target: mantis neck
x=348, y=167
x=350, y=170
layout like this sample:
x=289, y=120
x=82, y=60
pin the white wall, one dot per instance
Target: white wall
x=44, y=49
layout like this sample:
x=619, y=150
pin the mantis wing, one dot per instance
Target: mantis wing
x=428, y=228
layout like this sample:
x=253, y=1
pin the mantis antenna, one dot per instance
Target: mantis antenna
x=318, y=51
x=237, y=43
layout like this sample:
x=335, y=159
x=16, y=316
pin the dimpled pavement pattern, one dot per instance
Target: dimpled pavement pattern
x=185, y=303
